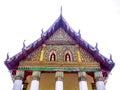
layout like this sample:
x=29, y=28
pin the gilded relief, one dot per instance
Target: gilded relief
x=34, y=55
x=85, y=56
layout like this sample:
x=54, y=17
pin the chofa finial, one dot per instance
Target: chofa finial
x=42, y=32
x=110, y=56
x=96, y=46
x=79, y=33
x=24, y=44
x=7, y=56
x=61, y=11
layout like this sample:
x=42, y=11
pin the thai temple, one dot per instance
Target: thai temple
x=60, y=59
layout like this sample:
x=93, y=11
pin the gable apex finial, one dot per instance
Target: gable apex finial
x=61, y=11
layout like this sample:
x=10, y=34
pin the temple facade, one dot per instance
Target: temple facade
x=59, y=60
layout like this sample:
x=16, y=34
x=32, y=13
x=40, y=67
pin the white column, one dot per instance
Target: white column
x=59, y=81
x=83, y=85
x=99, y=81
x=17, y=85
x=35, y=81
x=34, y=85
x=100, y=85
x=18, y=80
x=82, y=81
x=59, y=85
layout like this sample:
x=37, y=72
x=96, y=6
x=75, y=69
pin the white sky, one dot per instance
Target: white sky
x=98, y=20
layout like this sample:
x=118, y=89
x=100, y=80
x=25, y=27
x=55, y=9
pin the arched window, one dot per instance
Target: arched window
x=52, y=56
x=67, y=56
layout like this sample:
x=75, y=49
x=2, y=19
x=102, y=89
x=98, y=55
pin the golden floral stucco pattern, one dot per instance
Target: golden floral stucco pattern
x=60, y=37
x=34, y=55
x=85, y=56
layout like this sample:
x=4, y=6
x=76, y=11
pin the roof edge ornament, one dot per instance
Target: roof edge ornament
x=24, y=46
x=7, y=56
x=42, y=32
x=79, y=34
x=96, y=47
x=110, y=56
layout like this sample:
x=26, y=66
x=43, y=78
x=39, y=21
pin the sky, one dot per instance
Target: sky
x=98, y=21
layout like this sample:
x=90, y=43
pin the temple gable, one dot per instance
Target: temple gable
x=59, y=56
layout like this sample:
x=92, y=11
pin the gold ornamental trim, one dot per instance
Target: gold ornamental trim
x=58, y=64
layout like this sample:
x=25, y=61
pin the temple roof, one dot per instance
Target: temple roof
x=13, y=62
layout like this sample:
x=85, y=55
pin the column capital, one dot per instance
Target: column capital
x=82, y=76
x=19, y=75
x=98, y=76
x=59, y=75
x=36, y=75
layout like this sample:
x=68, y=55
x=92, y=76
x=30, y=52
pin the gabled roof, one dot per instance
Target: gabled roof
x=106, y=64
